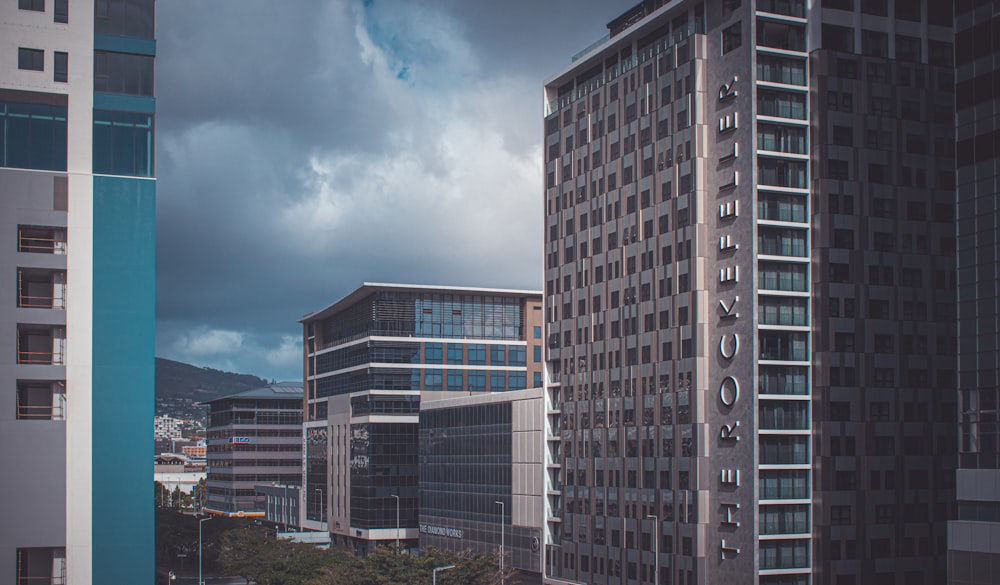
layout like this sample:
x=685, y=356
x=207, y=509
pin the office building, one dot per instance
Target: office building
x=974, y=536
x=371, y=359
x=77, y=222
x=750, y=295
x=481, y=465
x=254, y=437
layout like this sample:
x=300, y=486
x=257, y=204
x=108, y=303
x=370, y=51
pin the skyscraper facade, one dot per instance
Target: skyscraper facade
x=371, y=359
x=749, y=242
x=77, y=216
x=974, y=536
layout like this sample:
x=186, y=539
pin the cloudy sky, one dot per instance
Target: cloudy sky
x=306, y=147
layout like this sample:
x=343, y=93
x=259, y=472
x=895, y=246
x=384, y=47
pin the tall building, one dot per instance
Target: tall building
x=77, y=222
x=371, y=359
x=481, y=463
x=750, y=295
x=254, y=437
x=974, y=536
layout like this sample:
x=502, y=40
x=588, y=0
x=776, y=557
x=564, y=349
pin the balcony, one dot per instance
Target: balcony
x=784, y=311
x=787, y=71
x=41, y=400
x=782, y=242
x=781, y=104
x=40, y=344
x=41, y=289
x=41, y=239
x=784, y=346
x=794, y=8
x=783, y=380
x=780, y=35
x=784, y=415
x=783, y=277
x=784, y=485
x=782, y=173
x=781, y=207
x=785, y=519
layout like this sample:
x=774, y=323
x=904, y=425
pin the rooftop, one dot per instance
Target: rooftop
x=368, y=288
x=277, y=390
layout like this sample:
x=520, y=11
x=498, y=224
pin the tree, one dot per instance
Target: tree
x=253, y=553
x=386, y=567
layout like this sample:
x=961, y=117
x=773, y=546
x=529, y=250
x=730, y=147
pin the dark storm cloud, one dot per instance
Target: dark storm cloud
x=306, y=147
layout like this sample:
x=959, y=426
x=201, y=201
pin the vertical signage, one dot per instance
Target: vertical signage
x=730, y=509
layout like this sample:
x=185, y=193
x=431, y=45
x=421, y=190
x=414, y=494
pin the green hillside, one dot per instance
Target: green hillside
x=180, y=386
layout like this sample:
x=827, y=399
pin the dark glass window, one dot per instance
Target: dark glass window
x=36, y=5
x=30, y=59
x=123, y=143
x=60, y=67
x=874, y=43
x=908, y=10
x=732, y=37
x=32, y=136
x=908, y=48
x=838, y=38
x=123, y=73
x=61, y=13
x=124, y=18
x=876, y=7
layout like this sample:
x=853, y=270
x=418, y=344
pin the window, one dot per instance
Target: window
x=123, y=73
x=732, y=37
x=455, y=353
x=498, y=355
x=30, y=59
x=536, y=331
x=908, y=10
x=60, y=67
x=35, y=5
x=908, y=48
x=123, y=143
x=33, y=136
x=874, y=43
x=840, y=515
x=432, y=353
x=838, y=38
x=61, y=13
x=125, y=18
x=876, y=7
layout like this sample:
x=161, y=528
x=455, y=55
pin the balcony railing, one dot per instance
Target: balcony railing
x=39, y=289
x=41, y=240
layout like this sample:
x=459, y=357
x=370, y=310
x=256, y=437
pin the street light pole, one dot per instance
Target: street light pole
x=201, y=521
x=444, y=568
x=284, y=507
x=656, y=549
x=501, y=538
x=397, y=520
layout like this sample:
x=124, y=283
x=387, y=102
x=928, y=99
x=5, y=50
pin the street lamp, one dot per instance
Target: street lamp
x=397, y=520
x=501, y=539
x=200, y=522
x=444, y=568
x=656, y=548
x=319, y=503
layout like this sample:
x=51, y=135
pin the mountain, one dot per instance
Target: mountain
x=180, y=386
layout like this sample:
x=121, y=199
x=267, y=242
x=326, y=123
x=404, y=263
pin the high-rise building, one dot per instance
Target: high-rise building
x=371, y=358
x=481, y=462
x=974, y=536
x=750, y=295
x=254, y=437
x=77, y=222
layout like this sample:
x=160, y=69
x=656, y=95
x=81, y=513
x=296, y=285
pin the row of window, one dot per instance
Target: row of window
x=60, y=8
x=33, y=136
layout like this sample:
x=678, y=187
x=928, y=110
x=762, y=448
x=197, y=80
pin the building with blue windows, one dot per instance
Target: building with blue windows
x=371, y=359
x=77, y=222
